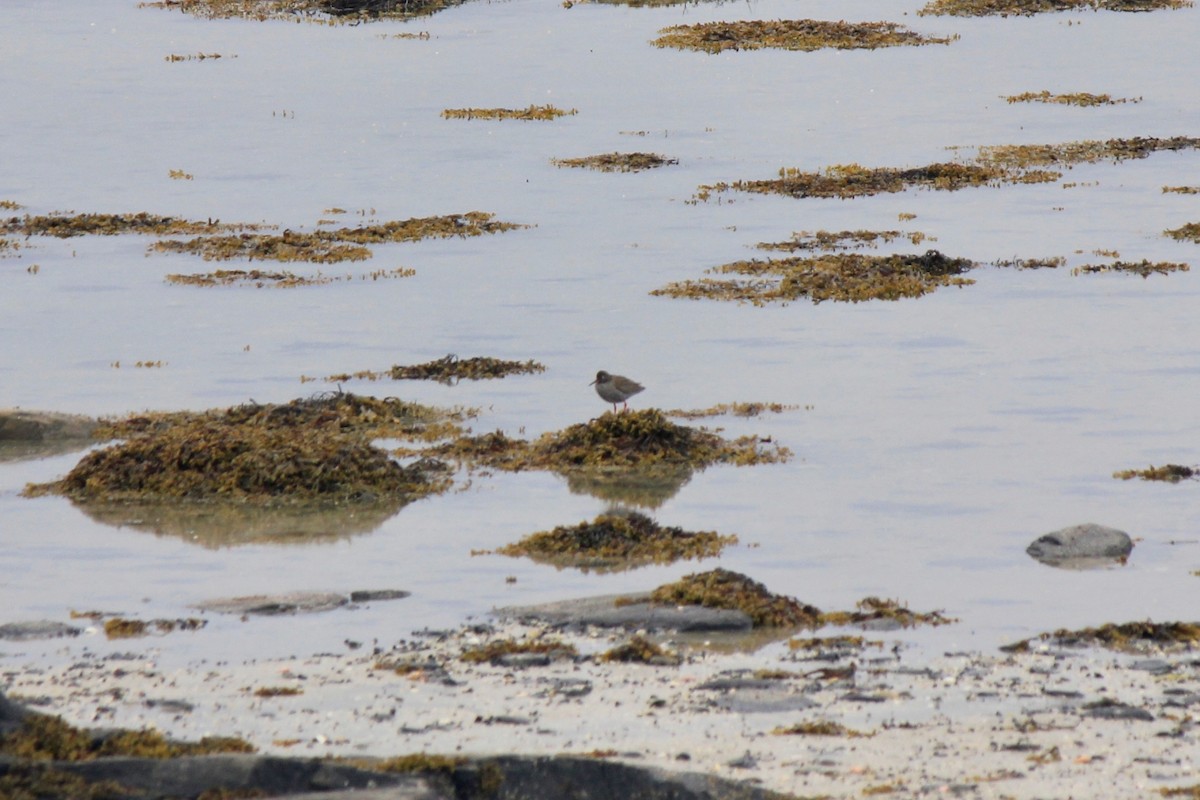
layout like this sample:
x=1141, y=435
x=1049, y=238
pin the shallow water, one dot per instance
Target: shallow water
x=938, y=437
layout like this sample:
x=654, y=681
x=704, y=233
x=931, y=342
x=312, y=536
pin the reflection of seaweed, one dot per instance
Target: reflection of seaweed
x=645, y=488
x=217, y=525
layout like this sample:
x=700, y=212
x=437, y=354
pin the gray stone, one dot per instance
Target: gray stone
x=368, y=595
x=17, y=425
x=1081, y=547
x=1109, y=709
x=634, y=612
x=289, y=603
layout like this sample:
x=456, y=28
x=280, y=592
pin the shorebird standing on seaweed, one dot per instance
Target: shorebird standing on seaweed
x=615, y=388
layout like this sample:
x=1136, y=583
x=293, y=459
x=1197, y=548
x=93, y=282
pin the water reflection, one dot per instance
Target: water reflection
x=217, y=525
x=640, y=488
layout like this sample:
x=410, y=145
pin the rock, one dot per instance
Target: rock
x=1081, y=547
x=11, y=715
x=741, y=692
x=41, y=629
x=1110, y=709
x=43, y=426
x=634, y=612
x=289, y=603
x=238, y=775
x=367, y=595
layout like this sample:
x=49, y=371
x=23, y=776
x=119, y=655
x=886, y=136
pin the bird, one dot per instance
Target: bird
x=615, y=388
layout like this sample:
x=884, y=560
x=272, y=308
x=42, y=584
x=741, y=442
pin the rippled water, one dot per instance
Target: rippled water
x=938, y=436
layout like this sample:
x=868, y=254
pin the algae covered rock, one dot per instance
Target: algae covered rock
x=306, y=451
x=722, y=588
x=617, y=541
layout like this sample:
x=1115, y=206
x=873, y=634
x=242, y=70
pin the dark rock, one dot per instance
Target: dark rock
x=1081, y=547
x=268, y=775
x=564, y=687
x=11, y=715
x=290, y=603
x=1110, y=709
x=1155, y=666
x=523, y=660
x=43, y=426
x=367, y=595
x=634, y=612
x=41, y=629
x=498, y=778
x=573, y=778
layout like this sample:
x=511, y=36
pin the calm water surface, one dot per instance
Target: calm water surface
x=939, y=436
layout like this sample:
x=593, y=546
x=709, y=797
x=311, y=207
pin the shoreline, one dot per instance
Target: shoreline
x=1055, y=722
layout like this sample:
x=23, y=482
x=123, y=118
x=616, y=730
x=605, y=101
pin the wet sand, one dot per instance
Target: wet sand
x=1052, y=723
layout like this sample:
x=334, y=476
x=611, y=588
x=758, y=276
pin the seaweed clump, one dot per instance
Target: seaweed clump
x=449, y=369
x=617, y=162
x=495, y=651
x=640, y=650
x=793, y=34
x=872, y=611
x=331, y=246
x=830, y=241
x=722, y=588
x=64, y=226
x=843, y=277
x=1171, y=473
x=305, y=451
x=124, y=628
x=534, y=112
x=853, y=180
x=994, y=165
x=1084, y=151
x=1083, y=99
x=318, y=11
x=1125, y=637
x=45, y=738
x=617, y=541
x=1145, y=268
x=632, y=440
x=278, y=279
x=818, y=728
x=1185, y=233
x=1027, y=8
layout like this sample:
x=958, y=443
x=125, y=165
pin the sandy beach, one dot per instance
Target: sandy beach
x=1051, y=723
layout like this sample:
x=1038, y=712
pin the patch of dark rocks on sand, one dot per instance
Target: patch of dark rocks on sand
x=38, y=629
x=296, y=602
x=1085, y=546
x=631, y=611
